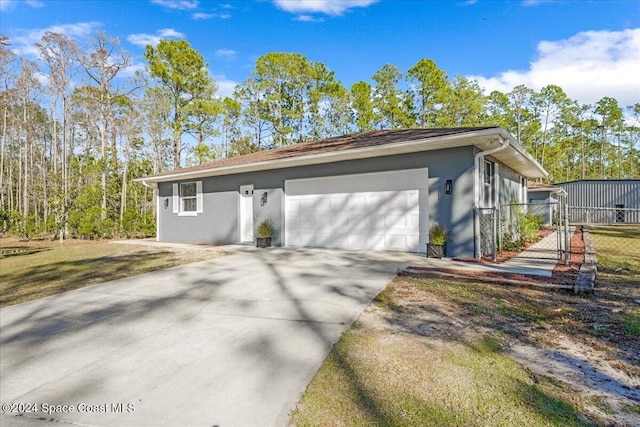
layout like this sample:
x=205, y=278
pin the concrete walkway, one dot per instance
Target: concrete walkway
x=232, y=341
x=538, y=260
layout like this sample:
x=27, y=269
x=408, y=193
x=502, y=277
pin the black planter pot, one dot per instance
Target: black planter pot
x=263, y=242
x=436, y=251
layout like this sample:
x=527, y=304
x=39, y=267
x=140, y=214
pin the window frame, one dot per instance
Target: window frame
x=179, y=199
x=488, y=188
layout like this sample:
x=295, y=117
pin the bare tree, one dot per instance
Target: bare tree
x=105, y=61
x=7, y=59
x=58, y=52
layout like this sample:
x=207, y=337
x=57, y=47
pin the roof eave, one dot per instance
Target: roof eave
x=478, y=138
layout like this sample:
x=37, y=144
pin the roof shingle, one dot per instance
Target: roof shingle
x=338, y=143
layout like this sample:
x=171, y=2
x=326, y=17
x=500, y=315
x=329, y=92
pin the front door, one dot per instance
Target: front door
x=246, y=213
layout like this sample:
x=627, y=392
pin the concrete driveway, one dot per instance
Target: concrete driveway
x=232, y=341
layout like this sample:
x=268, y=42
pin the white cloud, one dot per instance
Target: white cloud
x=587, y=66
x=23, y=41
x=308, y=18
x=228, y=54
x=170, y=32
x=201, y=15
x=132, y=69
x=9, y=5
x=143, y=39
x=225, y=86
x=328, y=7
x=177, y=4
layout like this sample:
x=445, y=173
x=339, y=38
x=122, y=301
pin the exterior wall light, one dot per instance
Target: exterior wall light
x=448, y=186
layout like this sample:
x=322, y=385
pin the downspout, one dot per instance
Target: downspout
x=154, y=187
x=476, y=190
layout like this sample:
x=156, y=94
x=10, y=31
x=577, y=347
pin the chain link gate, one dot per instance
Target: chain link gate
x=541, y=227
x=487, y=220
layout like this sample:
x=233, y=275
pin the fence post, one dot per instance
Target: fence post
x=494, y=255
x=500, y=230
x=567, y=240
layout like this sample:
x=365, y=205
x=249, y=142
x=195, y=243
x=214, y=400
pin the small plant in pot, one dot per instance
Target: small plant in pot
x=438, y=236
x=264, y=233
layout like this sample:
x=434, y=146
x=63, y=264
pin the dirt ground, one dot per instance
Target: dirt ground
x=579, y=340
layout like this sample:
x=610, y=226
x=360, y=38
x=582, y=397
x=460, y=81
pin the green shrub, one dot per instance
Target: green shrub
x=8, y=220
x=522, y=228
x=265, y=228
x=438, y=235
x=530, y=223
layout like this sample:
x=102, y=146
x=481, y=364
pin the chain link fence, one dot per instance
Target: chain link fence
x=487, y=220
x=614, y=231
x=513, y=227
x=580, y=215
x=545, y=229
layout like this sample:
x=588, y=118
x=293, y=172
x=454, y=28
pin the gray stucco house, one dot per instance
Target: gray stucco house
x=377, y=190
x=545, y=199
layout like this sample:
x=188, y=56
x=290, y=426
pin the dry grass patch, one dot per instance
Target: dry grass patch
x=376, y=378
x=35, y=269
x=453, y=352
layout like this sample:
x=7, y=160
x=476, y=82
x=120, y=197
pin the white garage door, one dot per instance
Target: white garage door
x=382, y=211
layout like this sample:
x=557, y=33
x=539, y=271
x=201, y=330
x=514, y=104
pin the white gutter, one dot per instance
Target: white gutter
x=152, y=185
x=476, y=189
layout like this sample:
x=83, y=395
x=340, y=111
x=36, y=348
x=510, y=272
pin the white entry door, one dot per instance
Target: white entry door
x=381, y=211
x=246, y=213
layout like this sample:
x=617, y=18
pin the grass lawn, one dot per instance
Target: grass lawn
x=34, y=269
x=617, y=249
x=436, y=352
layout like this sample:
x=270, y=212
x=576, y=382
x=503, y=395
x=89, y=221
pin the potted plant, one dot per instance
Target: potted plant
x=265, y=233
x=437, y=246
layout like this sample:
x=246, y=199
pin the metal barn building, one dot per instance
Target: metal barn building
x=603, y=200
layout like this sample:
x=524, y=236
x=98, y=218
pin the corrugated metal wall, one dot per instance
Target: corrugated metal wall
x=603, y=193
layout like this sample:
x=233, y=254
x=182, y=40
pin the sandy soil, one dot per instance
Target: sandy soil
x=584, y=345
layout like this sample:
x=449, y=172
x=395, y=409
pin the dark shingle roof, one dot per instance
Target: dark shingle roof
x=335, y=144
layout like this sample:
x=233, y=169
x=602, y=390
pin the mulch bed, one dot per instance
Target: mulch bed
x=563, y=275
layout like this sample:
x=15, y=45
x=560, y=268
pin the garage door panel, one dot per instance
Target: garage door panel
x=396, y=220
x=323, y=222
x=294, y=207
x=358, y=241
x=359, y=227
x=377, y=200
x=308, y=203
x=414, y=199
x=339, y=202
x=294, y=238
x=308, y=222
x=376, y=222
x=357, y=202
x=382, y=211
x=414, y=220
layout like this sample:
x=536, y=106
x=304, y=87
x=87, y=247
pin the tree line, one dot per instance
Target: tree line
x=78, y=125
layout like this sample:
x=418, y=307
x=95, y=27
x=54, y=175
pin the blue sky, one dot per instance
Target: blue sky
x=589, y=48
